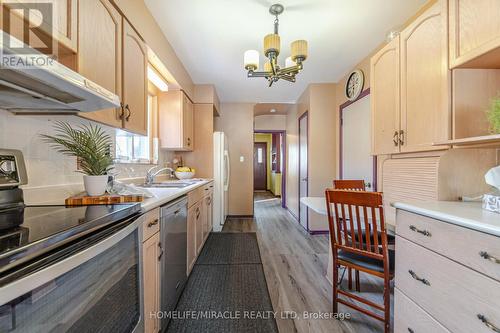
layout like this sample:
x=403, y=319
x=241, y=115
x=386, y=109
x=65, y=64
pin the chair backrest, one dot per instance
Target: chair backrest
x=353, y=185
x=349, y=212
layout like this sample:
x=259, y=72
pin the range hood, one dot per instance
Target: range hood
x=31, y=82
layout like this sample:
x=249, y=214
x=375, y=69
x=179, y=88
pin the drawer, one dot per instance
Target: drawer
x=409, y=317
x=199, y=193
x=451, y=293
x=151, y=223
x=468, y=247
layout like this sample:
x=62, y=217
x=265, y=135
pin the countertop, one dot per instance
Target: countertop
x=465, y=214
x=165, y=195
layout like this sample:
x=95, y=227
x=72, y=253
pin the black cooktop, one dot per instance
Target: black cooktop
x=27, y=232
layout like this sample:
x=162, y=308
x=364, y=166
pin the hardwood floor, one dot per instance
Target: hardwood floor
x=295, y=265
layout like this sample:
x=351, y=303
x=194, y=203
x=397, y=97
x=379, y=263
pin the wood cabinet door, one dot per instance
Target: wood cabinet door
x=151, y=272
x=425, y=84
x=191, y=238
x=99, y=56
x=385, y=99
x=209, y=212
x=187, y=123
x=200, y=218
x=135, y=81
x=474, y=32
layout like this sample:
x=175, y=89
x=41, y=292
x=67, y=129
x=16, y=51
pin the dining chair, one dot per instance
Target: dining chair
x=350, y=212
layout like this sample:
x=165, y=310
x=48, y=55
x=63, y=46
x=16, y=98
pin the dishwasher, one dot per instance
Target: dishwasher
x=173, y=234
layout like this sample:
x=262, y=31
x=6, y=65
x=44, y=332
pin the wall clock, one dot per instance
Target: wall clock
x=354, y=85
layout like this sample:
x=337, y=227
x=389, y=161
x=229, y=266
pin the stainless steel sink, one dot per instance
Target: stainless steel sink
x=171, y=184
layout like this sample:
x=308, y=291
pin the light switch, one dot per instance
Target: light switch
x=242, y=159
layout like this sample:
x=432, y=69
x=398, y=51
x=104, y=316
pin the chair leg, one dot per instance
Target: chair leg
x=349, y=278
x=358, y=285
x=387, y=305
x=335, y=287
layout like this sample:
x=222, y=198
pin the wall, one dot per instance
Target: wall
x=292, y=161
x=236, y=120
x=268, y=139
x=270, y=123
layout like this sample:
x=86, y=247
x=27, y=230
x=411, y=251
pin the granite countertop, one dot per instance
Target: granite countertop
x=465, y=214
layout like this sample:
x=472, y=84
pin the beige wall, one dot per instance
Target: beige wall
x=140, y=17
x=292, y=161
x=236, y=120
x=270, y=123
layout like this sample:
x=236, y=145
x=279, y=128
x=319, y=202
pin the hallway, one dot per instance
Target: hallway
x=295, y=265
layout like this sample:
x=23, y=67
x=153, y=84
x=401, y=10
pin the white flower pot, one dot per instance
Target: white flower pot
x=95, y=185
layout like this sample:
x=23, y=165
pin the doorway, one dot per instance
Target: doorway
x=303, y=168
x=260, y=166
x=356, y=161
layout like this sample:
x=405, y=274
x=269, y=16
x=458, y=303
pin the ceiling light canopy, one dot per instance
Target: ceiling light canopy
x=272, y=47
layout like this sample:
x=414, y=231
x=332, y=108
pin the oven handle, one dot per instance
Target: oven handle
x=22, y=286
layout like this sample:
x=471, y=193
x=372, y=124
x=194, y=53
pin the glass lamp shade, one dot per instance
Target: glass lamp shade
x=299, y=50
x=272, y=43
x=251, y=59
x=289, y=62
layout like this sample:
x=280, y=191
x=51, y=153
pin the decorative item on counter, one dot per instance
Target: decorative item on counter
x=184, y=173
x=91, y=146
x=491, y=201
x=494, y=115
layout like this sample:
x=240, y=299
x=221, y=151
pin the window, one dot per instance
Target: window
x=133, y=148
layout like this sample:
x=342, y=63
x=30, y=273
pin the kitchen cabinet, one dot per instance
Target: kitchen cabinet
x=385, y=95
x=100, y=53
x=208, y=215
x=425, y=81
x=135, y=81
x=199, y=225
x=474, y=33
x=191, y=236
x=176, y=123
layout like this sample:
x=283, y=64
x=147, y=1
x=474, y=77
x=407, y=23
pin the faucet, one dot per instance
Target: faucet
x=151, y=174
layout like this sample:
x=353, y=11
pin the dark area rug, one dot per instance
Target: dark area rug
x=226, y=292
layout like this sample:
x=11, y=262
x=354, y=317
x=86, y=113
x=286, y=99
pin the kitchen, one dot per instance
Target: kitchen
x=157, y=246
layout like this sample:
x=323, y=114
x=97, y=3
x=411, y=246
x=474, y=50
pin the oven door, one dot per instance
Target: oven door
x=94, y=285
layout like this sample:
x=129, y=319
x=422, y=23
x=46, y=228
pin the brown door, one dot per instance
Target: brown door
x=260, y=166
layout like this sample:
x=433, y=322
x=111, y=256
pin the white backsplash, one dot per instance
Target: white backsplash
x=46, y=167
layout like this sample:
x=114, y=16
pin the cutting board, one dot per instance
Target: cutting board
x=108, y=199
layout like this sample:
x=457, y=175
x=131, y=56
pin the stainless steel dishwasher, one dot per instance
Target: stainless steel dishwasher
x=173, y=233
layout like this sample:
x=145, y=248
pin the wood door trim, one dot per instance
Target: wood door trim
x=365, y=93
x=304, y=115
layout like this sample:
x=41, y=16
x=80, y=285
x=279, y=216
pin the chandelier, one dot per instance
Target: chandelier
x=272, y=46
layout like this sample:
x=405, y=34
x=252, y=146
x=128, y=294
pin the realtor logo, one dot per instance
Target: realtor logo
x=27, y=32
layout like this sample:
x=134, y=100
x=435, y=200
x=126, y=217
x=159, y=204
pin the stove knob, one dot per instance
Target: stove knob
x=7, y=167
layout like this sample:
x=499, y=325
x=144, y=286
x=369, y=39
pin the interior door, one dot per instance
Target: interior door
x=260, y=166
x=357, y=161
x=303, y=168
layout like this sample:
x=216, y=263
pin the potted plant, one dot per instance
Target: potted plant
x=494, y=115
x=90, y=144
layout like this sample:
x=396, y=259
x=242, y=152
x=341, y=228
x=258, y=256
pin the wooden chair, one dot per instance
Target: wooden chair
x=350, y=212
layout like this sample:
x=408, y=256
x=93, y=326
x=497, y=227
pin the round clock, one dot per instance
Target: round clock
x=354, y=85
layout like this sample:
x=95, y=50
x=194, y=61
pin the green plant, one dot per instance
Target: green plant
x=494, y=115
x=89, y=143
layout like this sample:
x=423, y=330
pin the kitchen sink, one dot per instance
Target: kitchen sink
x=171, y=184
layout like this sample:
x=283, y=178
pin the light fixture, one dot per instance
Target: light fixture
x=272, y=47
x=156, y=79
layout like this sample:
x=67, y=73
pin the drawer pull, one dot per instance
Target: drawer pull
x=423, y=232
x=489, y=257
x=197, y=213
x=155, y=222
x=488, y=324
x=416, y=277
x=410, y=330
x=161, y=251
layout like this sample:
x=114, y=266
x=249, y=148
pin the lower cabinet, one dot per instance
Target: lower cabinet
x=191, y=237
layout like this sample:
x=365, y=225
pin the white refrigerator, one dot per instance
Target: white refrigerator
x=221, y=180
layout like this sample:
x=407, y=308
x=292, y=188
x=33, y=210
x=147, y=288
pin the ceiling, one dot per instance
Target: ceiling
x=210, y=38
x=262, y=109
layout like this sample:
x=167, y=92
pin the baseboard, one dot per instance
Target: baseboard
x=318, y=232
x=239, y=217
x=291, y=213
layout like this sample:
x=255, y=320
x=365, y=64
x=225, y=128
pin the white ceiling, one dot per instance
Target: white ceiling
x=210, y=37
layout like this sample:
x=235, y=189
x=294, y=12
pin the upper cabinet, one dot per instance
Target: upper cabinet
x=99, y=56
x=176, y=121
x=385, y=99
x=135, y=81
x=474, y=33
x=425, y=81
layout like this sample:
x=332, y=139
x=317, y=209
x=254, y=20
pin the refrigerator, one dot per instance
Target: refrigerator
x=221, y=180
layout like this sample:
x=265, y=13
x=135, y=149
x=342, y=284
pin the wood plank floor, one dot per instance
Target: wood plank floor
x=295, y=265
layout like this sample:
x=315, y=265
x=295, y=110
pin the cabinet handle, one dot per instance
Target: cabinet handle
x=488, y=324
x=489, y=257
x=122, y=111
x=161, y=251
x=410, y=330
x=197, y=213
x=402, y=138
x=155, y=222
x=416, y=277
x=129, y=112
x=395, y=138
x=423, y=232
x=209, y=201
